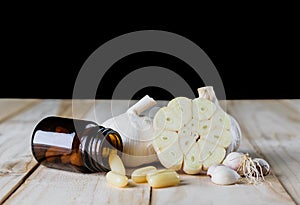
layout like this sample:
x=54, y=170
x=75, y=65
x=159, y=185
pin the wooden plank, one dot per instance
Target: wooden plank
x=273, y=129
x=45, y=185
x=199, y=189
x=75, y=108
x=50, y=186
x=16, y=160
x=11, y=107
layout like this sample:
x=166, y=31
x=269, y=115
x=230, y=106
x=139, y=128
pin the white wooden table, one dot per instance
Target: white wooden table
x=270, y=128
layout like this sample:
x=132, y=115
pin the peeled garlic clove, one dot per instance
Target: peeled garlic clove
x=223, y=175
x=234, y=160
x=262, y=166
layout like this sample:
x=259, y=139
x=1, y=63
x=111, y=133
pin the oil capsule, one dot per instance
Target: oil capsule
x=139, y=175
x=116, y=179
x=163, y=178
x=74, y=144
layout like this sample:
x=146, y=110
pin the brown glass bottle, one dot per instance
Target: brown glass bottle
x=74, y=144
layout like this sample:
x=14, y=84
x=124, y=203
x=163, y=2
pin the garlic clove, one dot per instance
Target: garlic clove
x=221, y=137
x=234, y=160
x=212, y=168
x=171, y=157
x=164, y=140
x=204, y=127
x=167, y=118
x=203, y=109
x=262, y=165
x=221, y=120
x=185, y=142
x=210, y=154
x=223, y=175
x=192, y=163
x=184, y=106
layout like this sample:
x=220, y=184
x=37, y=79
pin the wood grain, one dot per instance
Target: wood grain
x=270, y=130
x=50, y=186
x=16, y=159
x=11, y=107
x=273, y=129
x=199, y=188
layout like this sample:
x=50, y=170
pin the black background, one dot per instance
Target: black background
x=255, y=54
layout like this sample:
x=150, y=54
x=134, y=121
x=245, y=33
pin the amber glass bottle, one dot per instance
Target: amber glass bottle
x=74, y=144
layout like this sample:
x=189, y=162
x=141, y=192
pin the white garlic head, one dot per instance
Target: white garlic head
x=194, y=134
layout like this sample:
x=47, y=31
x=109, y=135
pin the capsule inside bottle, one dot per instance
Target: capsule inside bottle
x=74, y=145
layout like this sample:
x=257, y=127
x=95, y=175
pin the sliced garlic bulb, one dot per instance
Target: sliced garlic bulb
x=194, y=134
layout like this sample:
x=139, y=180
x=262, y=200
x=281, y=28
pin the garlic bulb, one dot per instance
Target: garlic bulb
x=136, y=132
x=223, y=175
x=194, y=134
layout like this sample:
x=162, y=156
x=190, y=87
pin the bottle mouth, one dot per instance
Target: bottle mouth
x=93, y=145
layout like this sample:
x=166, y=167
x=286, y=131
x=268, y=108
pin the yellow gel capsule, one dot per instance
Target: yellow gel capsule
x=116, y=164
x=139, y=175
x=116, y=179
x=163, y=178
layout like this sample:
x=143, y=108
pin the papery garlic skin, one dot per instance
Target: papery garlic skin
x=136, y=132
x=212, y=168
x=262, y=165
x=223, y=175
x=234, y=160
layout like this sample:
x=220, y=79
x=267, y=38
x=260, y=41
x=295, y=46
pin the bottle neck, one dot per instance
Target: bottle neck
x=94, y=148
